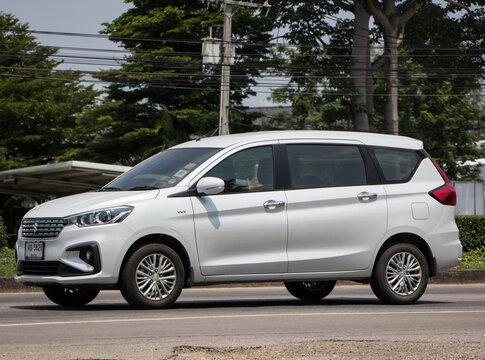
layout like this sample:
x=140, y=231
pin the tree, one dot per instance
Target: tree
x=36, y=110
x=447, y=119
x=321, y=23
x=440, y=63
x=336, y=48
x=391, y=19
x=361, y=67
x=162, y=94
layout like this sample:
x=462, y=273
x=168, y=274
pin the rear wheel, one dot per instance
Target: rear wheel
x=153, y=277
x=70, y=296
x=310, y=290
x=400, y=275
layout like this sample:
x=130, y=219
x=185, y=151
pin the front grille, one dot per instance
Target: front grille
x=40, y=267
x=42, y=227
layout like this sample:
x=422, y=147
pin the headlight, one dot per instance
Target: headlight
x=100, y=217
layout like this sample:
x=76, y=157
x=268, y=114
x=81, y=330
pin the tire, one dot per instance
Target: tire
x=310, y=290
x=67, y=296
x=142, y=284
x=400, y=275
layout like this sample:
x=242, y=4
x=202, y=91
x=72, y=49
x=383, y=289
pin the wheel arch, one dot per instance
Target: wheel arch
x=165, y=240
x=413, y=239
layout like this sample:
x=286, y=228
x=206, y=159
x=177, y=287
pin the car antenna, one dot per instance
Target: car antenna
x=209, y=134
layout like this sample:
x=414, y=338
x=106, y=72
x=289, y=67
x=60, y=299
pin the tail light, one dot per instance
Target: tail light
x=445, y=194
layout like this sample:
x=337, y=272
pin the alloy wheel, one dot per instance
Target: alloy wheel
x=403, y=273
x=155, y=276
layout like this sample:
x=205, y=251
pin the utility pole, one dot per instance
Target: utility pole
x=226, y=70
x=228, y=59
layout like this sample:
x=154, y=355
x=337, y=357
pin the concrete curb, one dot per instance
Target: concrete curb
x=465, y=276
x=471, y=276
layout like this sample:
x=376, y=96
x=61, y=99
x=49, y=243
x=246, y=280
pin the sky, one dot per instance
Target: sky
x=82, y=16
x=78, y=16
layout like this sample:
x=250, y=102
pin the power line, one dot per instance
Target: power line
x=193, y=41
x=199, y=54
x=173, y=63
x=180, y=87
x=217, y=76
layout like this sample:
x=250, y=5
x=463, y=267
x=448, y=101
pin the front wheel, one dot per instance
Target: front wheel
x=310, y=290
x=69, y=296
x=153, y=277
x=400, y=275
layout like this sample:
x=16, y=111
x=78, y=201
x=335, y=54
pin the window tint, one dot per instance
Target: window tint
x=249, y=170
x=397, y=165
x=314, y=166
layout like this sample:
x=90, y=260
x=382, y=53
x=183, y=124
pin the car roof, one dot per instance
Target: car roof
x=348, y=136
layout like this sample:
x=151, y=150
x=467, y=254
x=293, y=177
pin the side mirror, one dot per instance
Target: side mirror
x=210, y=186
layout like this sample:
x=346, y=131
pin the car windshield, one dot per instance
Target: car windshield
x=163, y=170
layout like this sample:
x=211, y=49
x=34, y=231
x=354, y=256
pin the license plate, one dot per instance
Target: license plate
x=34, y=250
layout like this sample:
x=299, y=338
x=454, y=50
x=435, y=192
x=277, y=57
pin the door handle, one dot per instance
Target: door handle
x=271, y=204
x=365, y=196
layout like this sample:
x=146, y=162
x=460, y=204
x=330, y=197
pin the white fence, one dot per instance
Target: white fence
x=469, y=197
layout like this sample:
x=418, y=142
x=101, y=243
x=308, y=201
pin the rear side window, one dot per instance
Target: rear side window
x=397, y=165
x=317, y=166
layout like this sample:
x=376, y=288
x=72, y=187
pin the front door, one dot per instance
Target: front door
x=244, y=229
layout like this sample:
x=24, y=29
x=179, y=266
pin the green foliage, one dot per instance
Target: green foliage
x=472, y=232
x=7, y=262
x=3, y=234
x=473, y=259
x=36, y=113
x=445, y=120
x=440, y=66
x=320, y=88
x=168, y=95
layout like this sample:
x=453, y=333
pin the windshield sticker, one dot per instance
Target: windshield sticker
x=172, y=181
x=181, y=173
x=190, y=166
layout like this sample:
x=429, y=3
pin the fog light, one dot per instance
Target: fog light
x=87, y=255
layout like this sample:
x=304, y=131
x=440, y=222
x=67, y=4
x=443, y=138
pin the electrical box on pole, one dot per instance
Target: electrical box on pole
x=228, y=52
x=212, y=51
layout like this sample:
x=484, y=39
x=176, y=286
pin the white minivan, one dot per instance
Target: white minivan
x=303, y=207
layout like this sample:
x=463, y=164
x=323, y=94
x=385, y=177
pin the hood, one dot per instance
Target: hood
x=79, y=203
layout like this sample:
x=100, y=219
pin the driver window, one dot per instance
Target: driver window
x=249, y=170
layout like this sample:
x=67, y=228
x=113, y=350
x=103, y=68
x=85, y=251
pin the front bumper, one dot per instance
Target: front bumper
x=65, y=262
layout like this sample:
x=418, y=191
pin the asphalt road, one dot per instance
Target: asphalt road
x=32, y=327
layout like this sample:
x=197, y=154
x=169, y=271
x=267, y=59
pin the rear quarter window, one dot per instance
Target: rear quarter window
x=396, y=165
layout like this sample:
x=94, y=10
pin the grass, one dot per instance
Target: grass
x=7, y=262
x=474, y=259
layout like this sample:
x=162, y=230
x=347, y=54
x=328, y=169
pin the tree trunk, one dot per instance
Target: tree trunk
x=360, y=68
x=370, y=91
x=392, y=25
x=391, y=117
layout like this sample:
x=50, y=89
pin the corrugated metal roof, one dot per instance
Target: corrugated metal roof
x=58, y=179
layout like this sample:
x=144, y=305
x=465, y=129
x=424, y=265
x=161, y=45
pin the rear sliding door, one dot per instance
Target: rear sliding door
x=335, y=217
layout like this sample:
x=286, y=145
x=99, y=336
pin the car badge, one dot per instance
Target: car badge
x=35, y=228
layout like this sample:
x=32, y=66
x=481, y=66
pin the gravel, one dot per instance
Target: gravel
x=339, y=350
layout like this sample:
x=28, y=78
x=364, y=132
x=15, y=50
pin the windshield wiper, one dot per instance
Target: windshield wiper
x=146, y=187
x=109, y=188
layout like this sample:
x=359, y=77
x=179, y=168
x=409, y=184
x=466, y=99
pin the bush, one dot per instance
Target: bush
x=3, y=234
x=7, y=262
x=472, y=232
